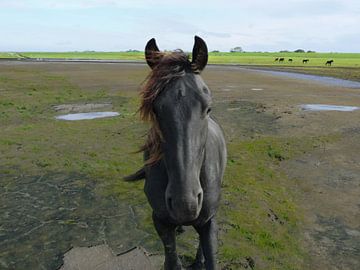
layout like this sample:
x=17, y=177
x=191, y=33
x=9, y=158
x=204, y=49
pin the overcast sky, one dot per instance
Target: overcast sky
x=116, y=25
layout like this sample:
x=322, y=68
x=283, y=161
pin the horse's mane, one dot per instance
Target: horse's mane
x=170, y=67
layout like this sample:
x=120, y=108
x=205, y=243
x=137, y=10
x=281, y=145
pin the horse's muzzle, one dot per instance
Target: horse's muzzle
x=185, y=208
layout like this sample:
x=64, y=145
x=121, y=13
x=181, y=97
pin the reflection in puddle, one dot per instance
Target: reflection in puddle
x=84, y=116
x=325, y=107
x=257, y=89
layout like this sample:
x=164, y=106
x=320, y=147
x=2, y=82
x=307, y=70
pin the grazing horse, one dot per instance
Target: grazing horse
x=329, y=62
x=185, y=151
x=276, y=59
x=290, y=60
x=305, y=61
x=281, y=59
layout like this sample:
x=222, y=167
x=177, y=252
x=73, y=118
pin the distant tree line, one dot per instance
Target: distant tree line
x=236, y=49
x=297, y=51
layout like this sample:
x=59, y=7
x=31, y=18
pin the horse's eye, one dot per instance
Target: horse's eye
x=208, y=111
x=206, y=91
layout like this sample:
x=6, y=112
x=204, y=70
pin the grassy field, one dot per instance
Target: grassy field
x=78, y=166
x=345, y=66
x=34, y=144
x=9, y=55
x=315, y=59
x=247, y=58
x=87, y=55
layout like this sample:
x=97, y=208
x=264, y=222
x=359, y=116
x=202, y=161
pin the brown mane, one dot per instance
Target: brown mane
x=171, y=66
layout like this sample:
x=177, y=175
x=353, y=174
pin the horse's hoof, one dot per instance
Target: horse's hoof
x=174, y=265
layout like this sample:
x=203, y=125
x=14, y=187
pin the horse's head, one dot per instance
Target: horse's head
x=181, y=111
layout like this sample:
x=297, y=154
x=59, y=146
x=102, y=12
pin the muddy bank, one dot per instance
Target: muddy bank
x=281, y=186
x=102, y=257
x=57, y=212
x=326, y=179
x=329, y=193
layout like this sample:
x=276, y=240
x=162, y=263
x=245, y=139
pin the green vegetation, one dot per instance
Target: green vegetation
x=87, y=55
x=242, y=58
x=8, y=55
x=345, y=66
x=315, y=59
x=258, y=218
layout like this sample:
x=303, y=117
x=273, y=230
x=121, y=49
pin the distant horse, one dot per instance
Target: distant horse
x=281, y=59
x=305, y=61
x=329, y=62
x=185, y=152
x=290, y=60
x=276, y=59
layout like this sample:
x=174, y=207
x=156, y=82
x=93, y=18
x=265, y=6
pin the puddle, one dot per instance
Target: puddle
x=84, y=116
x=257, y=89
x=325, y=107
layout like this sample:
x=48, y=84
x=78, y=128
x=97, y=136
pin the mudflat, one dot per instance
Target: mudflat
x=291, y=189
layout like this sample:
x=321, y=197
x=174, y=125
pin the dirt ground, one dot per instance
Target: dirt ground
x=325, y=181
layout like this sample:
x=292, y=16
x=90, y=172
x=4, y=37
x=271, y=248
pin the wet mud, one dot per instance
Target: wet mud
x=44, y=216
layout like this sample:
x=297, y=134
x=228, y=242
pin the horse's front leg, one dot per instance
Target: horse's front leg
x=208, y=240
x=166, y=232
x=199, y=260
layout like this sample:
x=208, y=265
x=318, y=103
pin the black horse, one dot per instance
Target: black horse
x=305, y=61
x=281, y=59
x=329, y=62
x=290, y=60
x=185, y=152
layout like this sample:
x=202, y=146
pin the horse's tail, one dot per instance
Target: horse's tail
x=140, y=174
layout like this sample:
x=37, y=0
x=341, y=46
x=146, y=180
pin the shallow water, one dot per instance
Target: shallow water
x=84, y=116
x=326, y=107
x=320, y=79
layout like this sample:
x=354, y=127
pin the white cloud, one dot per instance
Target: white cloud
x=324, y=25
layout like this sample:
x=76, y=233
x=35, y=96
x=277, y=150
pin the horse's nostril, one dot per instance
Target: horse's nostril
x=200, y=198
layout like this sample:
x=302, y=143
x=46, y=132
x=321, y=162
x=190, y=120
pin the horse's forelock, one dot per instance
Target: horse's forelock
x=170, y=67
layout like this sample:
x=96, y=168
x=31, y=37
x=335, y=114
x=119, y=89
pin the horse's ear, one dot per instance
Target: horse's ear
x=199, y=54
x=152, y=53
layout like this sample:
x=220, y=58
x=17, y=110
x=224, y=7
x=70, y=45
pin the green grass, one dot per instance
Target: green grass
x=247, y=58
x=87, y=55
x=8, y=55
x=315, y=59
x=259, y=218
x=34, y=143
